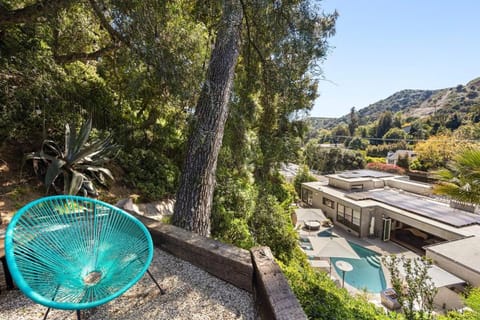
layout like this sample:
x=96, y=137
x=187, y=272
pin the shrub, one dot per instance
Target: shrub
x=302, y=176
x=271, y=225
x=358, y=143
x=375, y=159
x=321, y=299
x=152, y=173
x=390, y=168
x=334, y=159
x=383, y=149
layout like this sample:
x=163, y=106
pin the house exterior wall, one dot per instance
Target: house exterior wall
x=448, y=298
x=329, y=205
x=367, y=184
x=472, y=277
x=316, y=199
x=441, y=233
x=322, y=198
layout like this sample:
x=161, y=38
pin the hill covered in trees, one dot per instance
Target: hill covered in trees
x=436, y=124
x=413, y=104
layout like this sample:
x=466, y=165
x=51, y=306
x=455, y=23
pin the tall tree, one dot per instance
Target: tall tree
x=384, y=124
x=197, y=181
x=353, y=124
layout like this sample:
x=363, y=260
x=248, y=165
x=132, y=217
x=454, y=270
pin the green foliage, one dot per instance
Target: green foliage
x=358, y=143
x=403, y=162
x=391, y=168
x=383, y=149
x=329, y=160
x=79, y=162
x=460, y=178
x=234, y=200
x=403, y=101
x=353, y=123
x=339, y=133
x=374, y=159
x=419, y=130
x=271, y=225
x=413, y=285
x=278, y=74
x=152, y=173
x=453, y=122
x=321, y=299
x=437, y=151
x=384, y=124
x=393, y=135
x=303, y=175
x=473, y=302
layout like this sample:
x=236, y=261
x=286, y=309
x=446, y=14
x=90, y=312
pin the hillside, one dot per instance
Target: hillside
x=415, y=104
x=321, y=122
x=403, y=101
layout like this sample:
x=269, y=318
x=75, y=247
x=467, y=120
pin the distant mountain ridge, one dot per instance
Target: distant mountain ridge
x=414, y=104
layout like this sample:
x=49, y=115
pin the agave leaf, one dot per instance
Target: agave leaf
x=54, y=169
x=67, y=140
x=89, y=188
x=51, y=145
x=107, y=172
x=101, y=170
x=33, y=155
x=76, y=182
x=92, y=150
x=45, y=157
x=82, y=138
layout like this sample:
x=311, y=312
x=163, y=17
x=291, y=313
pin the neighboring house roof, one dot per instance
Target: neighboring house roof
x=400, y=153
x=464, y=251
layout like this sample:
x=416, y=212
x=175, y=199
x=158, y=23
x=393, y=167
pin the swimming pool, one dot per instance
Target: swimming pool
x=367, y=272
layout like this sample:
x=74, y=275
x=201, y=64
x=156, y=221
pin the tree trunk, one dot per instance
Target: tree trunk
x=197, y=181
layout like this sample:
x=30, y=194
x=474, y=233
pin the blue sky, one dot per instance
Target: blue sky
x=383, y=46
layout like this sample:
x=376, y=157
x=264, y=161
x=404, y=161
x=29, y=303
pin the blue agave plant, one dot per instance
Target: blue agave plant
x=79, y=164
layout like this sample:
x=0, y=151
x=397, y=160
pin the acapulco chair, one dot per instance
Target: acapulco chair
x=74, y=253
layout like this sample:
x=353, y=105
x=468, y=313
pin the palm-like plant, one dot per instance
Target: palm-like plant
x=461, y=179
x=78, y=164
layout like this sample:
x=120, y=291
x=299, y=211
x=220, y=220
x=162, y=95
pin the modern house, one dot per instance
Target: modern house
x=369, y=203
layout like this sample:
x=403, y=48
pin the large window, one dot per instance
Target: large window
x=329, y=203
x=307, y=196
x=348, y=217
x=356, y=218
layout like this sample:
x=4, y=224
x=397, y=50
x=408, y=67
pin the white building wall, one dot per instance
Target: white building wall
x=472, y=277
x=448, y=299
x=409, y=186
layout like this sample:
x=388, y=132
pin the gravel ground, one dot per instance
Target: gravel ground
x=191, y=294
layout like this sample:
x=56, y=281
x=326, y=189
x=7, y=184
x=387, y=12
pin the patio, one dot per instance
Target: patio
x=191, y=294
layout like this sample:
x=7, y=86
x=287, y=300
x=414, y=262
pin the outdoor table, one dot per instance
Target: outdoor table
x=312, y=225
x=344, y=266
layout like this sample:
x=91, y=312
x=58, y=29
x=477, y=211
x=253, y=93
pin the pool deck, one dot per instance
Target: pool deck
x=383, y=248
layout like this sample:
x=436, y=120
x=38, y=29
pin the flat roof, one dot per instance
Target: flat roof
x=463, y=251
x=315, y=184
x=363, y=173
x=425, y=207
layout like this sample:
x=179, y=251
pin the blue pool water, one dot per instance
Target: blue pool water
x=367, y=272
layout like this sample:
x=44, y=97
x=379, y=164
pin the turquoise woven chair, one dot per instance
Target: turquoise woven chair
x=74, y=253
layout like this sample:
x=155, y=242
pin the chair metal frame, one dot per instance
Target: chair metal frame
x=74, y=253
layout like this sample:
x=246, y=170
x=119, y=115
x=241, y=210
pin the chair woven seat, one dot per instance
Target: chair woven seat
x=70, y=252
